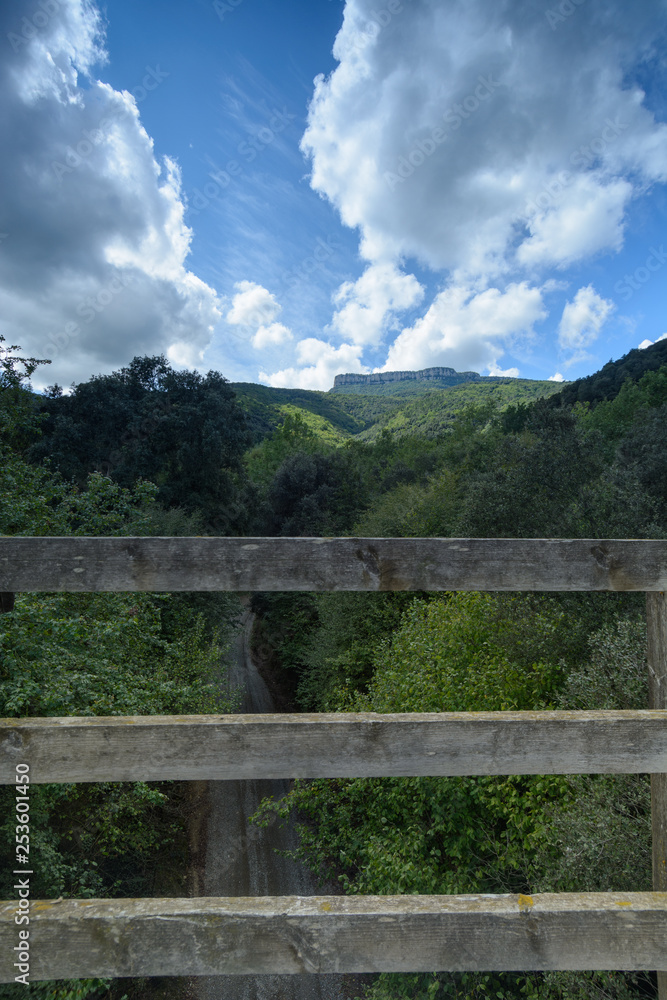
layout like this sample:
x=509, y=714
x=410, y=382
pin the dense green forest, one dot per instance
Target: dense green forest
x=147, y=450
x=102, y=654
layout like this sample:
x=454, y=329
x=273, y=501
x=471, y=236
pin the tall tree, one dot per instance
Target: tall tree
x=183, y=431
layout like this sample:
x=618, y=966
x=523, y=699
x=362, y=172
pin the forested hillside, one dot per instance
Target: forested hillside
x=151, y=450
x=431, y=411
x=542, y=468
x=102, y=654
x=408, y=407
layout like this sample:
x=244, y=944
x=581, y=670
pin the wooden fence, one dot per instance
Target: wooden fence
x=208, y=936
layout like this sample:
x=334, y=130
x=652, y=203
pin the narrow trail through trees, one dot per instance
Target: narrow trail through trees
x=241, y=858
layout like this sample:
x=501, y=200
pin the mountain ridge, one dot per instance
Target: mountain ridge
x=448, y=376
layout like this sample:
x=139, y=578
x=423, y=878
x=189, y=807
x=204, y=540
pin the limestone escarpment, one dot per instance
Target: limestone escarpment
x=426, y=374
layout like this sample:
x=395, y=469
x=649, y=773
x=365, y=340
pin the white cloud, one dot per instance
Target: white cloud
x=268, y=336
x=93, y=268
x=649, y=343
x=480, y=142
x=318, y=363
x=582, y=320
x=503, y=372
x=253, y=310
x=467, y=330
x=366, y=307
x=556, y=377
x=588, y=218
x=252, y=305
x=481, y=108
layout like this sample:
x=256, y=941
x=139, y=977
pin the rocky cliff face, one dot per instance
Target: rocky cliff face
x=378, y=378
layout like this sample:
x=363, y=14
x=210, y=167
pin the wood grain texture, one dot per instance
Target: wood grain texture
x=320, y=564
x=656, y=623
x=336, y=745
x=320, y=934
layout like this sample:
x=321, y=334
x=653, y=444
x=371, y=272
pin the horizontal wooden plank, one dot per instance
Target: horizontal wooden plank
x=337, y=745
x=320, y=934
x=319, y=564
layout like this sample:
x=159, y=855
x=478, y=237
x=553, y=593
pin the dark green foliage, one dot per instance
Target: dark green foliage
x=608, y=382
x=338, y=656
x=431, y=413
x=19, y=421
x=529, y=488
x=519, y=834
x=282, y=635
x=98, y=654
x=292, y=436
x=643, y=451
x=323, y=492
x=410, y=408
x=476, y=459
x=410, y=387
x=432, y=834
x=183, y=431
x=532, y=470
x=368, y=409
x=262, y=404
x=300, y=495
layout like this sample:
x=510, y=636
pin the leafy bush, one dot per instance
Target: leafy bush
x=477, y=651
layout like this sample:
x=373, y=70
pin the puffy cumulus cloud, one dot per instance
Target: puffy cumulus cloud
x=503, y=372
x=467, y=329
x=92, y=269
x=252, y=305
x=649, y=343
x=583, y=318
x=252, y=312
x=318, y=363
x=588, y=217
x=444, y=123
x=556, y=377
x=367, y=307
x=269, y=336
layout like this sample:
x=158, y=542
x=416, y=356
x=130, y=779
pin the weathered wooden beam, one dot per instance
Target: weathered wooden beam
x=319, y=564
x=337, y=745
x=656, y=622
x=320, y=934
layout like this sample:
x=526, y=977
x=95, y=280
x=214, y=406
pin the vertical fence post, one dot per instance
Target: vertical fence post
x=656, y=622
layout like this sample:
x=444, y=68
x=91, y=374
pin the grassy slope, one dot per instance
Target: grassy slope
x=431, y=413
x=325, y=430
x=263, y=406
x=424, y=408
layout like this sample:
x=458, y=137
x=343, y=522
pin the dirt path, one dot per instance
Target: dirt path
x=240, y=860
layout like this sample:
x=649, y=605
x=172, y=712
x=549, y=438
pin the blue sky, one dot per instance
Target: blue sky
x=286, y=191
